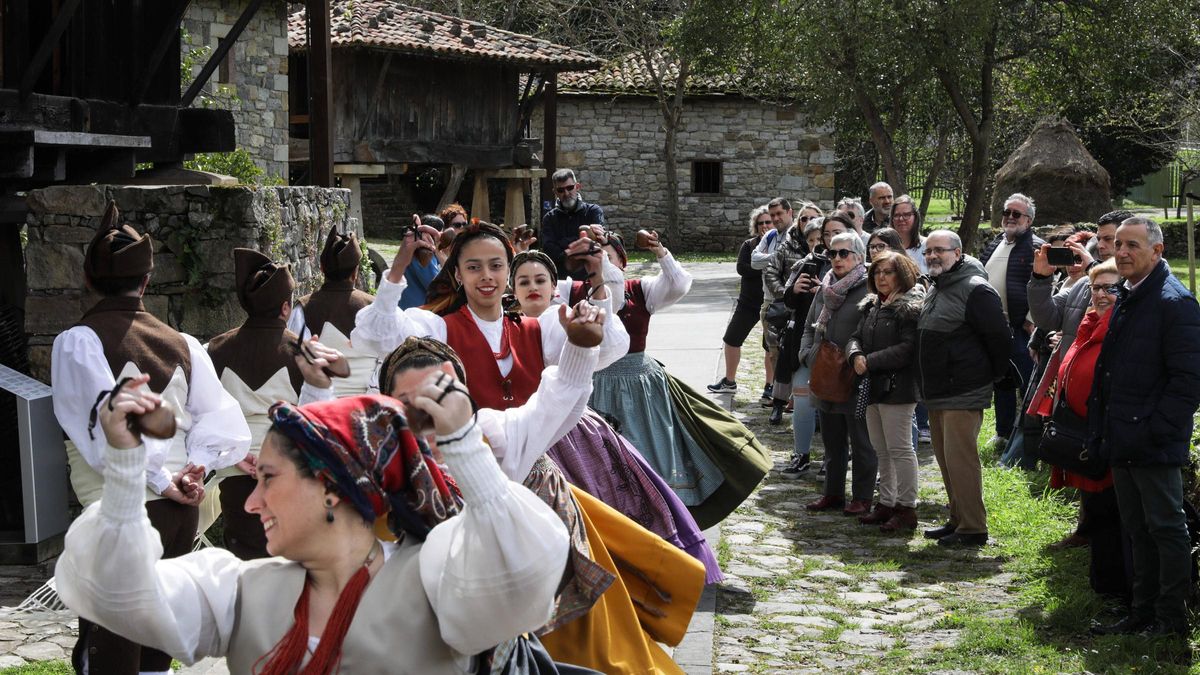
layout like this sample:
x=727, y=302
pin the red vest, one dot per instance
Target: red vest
x=488, y=387
x=634, y=314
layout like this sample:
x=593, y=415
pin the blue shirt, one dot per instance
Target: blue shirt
x=418, y=277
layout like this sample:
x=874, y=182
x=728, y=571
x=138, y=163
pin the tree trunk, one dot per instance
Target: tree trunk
x=935, y=169
x=672, y=233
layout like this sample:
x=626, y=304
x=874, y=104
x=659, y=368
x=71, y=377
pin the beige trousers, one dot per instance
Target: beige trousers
x=955, y=445
x=890, y=427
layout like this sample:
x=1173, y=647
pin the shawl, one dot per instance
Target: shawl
x=833, y=292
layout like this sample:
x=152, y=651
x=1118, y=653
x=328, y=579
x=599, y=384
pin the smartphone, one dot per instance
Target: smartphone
x=1061, y=257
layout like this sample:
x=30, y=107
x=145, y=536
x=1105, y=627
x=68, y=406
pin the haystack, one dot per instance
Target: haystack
x=1066, y=183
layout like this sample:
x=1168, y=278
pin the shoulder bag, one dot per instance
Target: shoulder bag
x=832, y=379
x=1064, y=443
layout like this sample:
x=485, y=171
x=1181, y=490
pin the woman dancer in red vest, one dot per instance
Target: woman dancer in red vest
x=504, y=355
x=709, y=459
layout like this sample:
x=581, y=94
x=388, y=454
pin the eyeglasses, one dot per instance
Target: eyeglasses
x=840, y=253
x=937, y=250
x=805, y=219
x=765, y=222
x=884, y=271
x=1111, y=289
x=906, y=215
x=564, y=189
x=877, y=247
x=1012, y=213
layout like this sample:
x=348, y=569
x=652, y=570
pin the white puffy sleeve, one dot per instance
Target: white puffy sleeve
x=614, y=345
x=219, y=436
x=381, y=326
x=523, y=434
x=110, y=571
x=668, y=287
x=79, y=372
x=295, y=322
x=491, y=572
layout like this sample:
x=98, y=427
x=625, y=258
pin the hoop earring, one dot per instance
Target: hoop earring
x=329, y=510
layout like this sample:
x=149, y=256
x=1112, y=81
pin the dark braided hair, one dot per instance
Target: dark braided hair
x=532, y=256
x=445, y=296
x=418, y=352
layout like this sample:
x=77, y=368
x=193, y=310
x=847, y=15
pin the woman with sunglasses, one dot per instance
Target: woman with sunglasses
x=596, y=623
x=504, y=354
x=1072, y=386
x=331, y=475
x=832, y=320
x=749, y=304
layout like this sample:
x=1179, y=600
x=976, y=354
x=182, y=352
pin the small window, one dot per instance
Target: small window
x=706, y=177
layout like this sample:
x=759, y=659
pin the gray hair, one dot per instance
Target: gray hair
x=754, y=214
x=814, y=224
x=853, y=204
x=856, y=243
x=880, y=185
x=563, y=175
x=955, y=240
x=1154, y=233
x=1024, y=199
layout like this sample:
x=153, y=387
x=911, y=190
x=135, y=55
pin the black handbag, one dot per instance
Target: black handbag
x=778, y=315
x=1064, y=443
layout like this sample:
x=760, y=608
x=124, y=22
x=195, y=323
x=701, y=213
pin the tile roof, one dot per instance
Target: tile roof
x=629, y=75
x=390, y=25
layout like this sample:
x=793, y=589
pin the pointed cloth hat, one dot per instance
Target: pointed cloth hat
x=341, y=253
x=262, y=284
x=118, y=251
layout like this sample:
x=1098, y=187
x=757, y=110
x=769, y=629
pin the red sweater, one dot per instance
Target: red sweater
x=1075, y=376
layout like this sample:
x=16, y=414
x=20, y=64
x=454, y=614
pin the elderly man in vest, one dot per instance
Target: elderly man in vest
x=116, y=339
x=1146, y=390
x=962, y=349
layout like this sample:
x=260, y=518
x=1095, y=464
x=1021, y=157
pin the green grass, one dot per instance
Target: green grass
x=43, y=668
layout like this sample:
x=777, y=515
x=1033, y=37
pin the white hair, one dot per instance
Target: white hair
x=855, y=241
x=955, y=240
x=1154, y=233
x=878, y=186
x=754, y=214
x=1024, y=199
x=853, y=204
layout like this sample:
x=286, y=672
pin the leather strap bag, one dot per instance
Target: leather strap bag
x=1064, y=443
x=832, y=379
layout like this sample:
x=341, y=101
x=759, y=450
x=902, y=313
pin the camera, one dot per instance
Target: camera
x=1062, y=257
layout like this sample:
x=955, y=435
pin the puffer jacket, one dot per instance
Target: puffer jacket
x=963, y=339
x=1147, y=384
x=887, y=337
x=789, y=252
x=842, y=324
x=1019, y=271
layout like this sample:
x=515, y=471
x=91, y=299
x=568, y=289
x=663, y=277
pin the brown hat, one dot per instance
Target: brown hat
x=118, y=251
x=262, y=285
x=341, y=254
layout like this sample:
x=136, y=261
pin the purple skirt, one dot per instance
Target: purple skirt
x=595, y=458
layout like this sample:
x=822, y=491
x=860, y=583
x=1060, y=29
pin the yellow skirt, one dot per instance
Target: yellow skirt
x=656, y=591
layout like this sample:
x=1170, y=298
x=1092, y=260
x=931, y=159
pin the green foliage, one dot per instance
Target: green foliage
x=239, y=164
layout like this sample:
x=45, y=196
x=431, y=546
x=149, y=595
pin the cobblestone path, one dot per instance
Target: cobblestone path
x=818, y=592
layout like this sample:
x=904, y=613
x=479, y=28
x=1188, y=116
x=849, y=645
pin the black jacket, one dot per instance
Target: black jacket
x=560, y=227
x=1020, y=267
x=751, y=292
x=887, y=336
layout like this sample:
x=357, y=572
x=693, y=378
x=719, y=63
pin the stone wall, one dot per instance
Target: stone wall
x=195, y=229
x=615, y=146
x=258, y=91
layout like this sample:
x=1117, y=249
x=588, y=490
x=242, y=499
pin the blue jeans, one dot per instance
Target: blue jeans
x=804, y=416
x=1006, y=397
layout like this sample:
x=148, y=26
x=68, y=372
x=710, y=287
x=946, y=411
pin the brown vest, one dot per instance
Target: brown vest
x=129, y=333
x=336, y=302
x=394, y=630
x=255, y=351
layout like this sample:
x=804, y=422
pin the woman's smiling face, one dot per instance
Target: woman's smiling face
x=291, y=506
x=533, y=288
x=482, y=271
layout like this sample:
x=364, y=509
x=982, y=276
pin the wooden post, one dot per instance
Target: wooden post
x=514, y=203
x=354, y=185
x=549, y=140
x=479, y=199
x=1191, y=245
x=320, y=102
x=457, y=173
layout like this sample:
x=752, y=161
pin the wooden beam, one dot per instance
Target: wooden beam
x=359, y=169
x=457, y=173
x=518, y=173
x=168, y=38
x=549, y=138
x=514, y=203
x=320, y=93
x=378, y=94
x=480, y=208
x=49, y=41
x=389, y=150
x=219, y=53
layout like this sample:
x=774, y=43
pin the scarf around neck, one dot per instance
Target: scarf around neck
x=834, y=292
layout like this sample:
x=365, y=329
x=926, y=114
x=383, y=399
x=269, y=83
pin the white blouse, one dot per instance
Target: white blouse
x=668, y=286
x=381, y=326
x=218, y=436
x=489, y=573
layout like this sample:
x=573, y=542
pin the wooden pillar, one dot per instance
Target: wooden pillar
x=320, y=92
x=354, y=185
x=549, y=139
x=514, y=203
x=480, y=208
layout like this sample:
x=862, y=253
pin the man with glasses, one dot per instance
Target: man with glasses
x=780, y=210
x=1147, y=387
x=962, y=349
x=1008, y=260
x=880, y=195
x=560, y=225
x=852, y=207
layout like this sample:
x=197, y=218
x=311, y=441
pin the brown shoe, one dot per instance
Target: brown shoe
x=878, y=515
x=1073, y=540
x=903, y=518
x=857, y=507
x=826, y=503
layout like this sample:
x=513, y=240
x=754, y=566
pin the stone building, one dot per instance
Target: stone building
x=733, y=153
x=252, y=80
